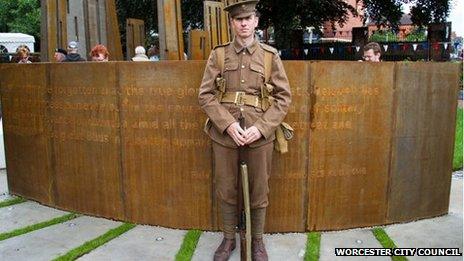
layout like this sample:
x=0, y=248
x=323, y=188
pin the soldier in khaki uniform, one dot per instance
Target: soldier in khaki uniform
x=240, y=69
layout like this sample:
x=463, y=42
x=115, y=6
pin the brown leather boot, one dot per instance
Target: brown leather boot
x=259, y=250
x=224, y=250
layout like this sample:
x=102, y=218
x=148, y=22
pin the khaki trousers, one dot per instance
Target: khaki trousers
x=226, y=169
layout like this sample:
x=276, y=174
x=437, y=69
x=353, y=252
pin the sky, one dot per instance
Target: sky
x=456, y=16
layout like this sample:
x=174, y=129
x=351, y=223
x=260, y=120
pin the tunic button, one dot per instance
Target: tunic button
x=243, y=66
x=243, y=52
x=243, y=81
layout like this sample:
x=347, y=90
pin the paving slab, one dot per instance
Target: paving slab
x=140, y=243
x=25, y=214
x=4, y=192
x=51, y=242
x=443, y=231
x=455, y=206
x=289, y=246
x=208, y=243
x=354, y=238
x=279, y=246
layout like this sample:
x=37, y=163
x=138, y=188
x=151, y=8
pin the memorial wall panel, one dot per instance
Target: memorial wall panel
x=26, y=131
x=422, y=145
x=166, y=155
x=84, y=118
x=288, y=194
x=373, y=142
x=350, y=132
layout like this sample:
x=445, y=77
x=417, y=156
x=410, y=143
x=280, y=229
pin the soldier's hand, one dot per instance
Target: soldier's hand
x=252, y=134
x=237, y=133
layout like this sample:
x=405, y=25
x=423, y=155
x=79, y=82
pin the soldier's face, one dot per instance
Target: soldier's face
x=244, y=27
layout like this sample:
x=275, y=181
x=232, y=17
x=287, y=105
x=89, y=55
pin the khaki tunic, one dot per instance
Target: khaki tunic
x=244, y=72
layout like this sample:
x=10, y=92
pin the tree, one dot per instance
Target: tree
x=21, y=16
x=289, y=15
x=140, y=9
x=425, y=12
x=192, y=14
x=389, y=12
x=383, y=12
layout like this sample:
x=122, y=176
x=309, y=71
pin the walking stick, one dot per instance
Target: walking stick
x=244, y=219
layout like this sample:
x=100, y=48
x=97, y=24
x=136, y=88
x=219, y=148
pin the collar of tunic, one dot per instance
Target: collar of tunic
x=251, y=48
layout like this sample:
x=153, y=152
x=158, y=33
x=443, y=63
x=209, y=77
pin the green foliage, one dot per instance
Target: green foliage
x=188, y=245
x=192, y=14
x=383, y=36
x=12, y=201
x=24, y=230
x=313, y=245
x=94, y=243
x=457, y=158
x=139, y=9
x=289, y=15
x=425, y=12
x=417, y=35
x=383, y=12
x=21, y=16
x=386, y=242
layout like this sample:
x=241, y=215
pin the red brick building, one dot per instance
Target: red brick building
x=405, y=27
x=343, y=33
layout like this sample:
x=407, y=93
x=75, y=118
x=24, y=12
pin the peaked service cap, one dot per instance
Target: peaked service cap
x=242, y=8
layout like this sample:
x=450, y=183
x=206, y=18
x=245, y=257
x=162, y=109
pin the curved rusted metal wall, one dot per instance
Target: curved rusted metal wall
x=123, y=140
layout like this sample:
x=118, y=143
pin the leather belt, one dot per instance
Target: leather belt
x=241, y=98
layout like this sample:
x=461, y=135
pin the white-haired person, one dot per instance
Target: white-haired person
x=140, y=55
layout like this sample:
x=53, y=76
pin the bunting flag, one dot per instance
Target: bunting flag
x=436, y=46
x=425, y=46
x=385, y=47
x=357, y=48
x=306, y=51
x=445, y=45
x=395, y=46
x=349, y=49
x=314, y=50
x=280, y=53
x=414, y=47
x=322, y=50
x=405, y=47
x=331, y=50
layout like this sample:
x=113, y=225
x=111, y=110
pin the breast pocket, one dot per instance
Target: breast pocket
x=257, y=75
x=231, y=75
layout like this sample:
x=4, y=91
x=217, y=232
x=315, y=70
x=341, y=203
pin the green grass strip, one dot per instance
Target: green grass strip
x=457, y=158
x=386, y=242
x=313, y=245
x=96, y=242
x=12, y=201
x=189, y=245
x=24, y=230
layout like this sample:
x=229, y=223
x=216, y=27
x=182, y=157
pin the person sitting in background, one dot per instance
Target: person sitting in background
x=60, y=55
x=153, y=53
x=140, y=55
x=99, y=53
x=73, y=55
x=22, y=54
x=372, y=52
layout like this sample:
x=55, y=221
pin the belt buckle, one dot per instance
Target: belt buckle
x=239, y=98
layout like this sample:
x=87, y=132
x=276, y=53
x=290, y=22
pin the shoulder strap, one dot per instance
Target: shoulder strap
x=267, y=66
x=220, y=54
